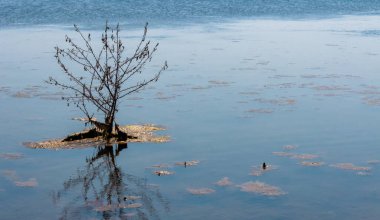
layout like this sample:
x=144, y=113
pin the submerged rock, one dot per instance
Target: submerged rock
x=32, y=182
x=143, y=133
x=350, y=166
x=295, y=155
x=163, y=172
x=283, y=154
x=260, y=170
x=11, y=156
x=160, y=166
x=12, y=176
x=188, y=163
x=200, y=191
x=312, y=164
x=225, y=181
x=304, y=156
x=261, y=188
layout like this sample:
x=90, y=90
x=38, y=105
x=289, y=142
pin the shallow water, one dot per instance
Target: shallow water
x=235, y=93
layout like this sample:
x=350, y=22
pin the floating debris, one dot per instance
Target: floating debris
x=130, y=206
x=188, y=163
x=312, y=164
x=11, y=156
x=350, y=166
x=200, y=191
x=143, y=133
x=289, y=147
x=225, y=181
x=32, y=182
x=261, y=188
x=162, y=172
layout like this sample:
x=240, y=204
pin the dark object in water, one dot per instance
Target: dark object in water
x=92, y=133
x=264, y=166
x=121, y=135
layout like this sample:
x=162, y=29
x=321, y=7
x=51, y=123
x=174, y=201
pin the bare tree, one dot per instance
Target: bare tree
x=106, y=75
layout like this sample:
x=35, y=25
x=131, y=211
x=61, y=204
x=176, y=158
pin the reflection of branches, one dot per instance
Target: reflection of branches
x=102, y=190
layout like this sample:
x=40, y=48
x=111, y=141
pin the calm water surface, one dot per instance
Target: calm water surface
x=235, y=93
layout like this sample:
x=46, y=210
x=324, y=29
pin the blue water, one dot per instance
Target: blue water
x=95, y=12
x=264, y=52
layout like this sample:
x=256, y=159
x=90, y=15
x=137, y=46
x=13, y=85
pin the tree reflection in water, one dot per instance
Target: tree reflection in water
x=103, y=191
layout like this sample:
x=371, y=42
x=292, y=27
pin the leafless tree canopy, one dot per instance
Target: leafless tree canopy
x=109, y=74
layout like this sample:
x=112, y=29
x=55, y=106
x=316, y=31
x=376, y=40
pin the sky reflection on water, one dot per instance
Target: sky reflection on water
x=234, y=94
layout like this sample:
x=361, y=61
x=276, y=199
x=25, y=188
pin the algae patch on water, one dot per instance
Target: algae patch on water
x=140, y=133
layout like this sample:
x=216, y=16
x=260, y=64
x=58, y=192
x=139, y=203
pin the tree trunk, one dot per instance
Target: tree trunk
x=109, y=121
